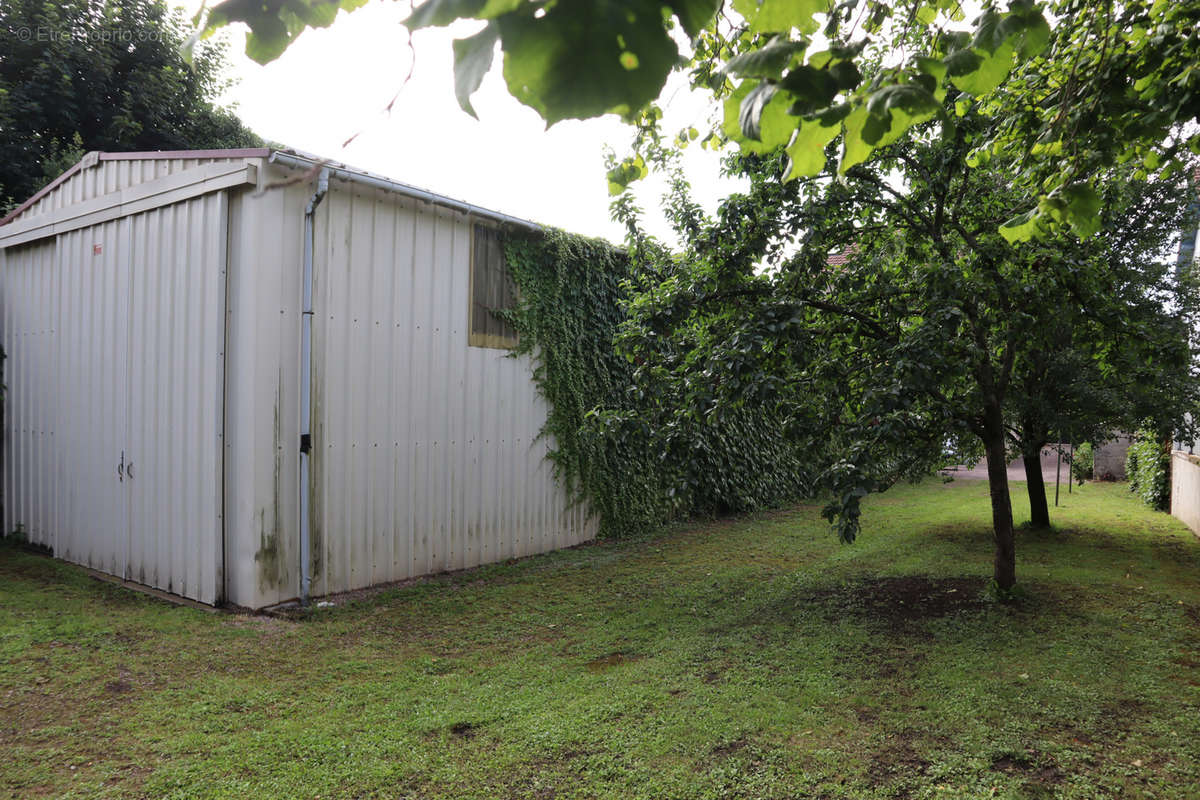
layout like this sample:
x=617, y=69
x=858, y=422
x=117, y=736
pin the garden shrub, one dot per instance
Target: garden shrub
x=1148, y=466
x=1083, y=462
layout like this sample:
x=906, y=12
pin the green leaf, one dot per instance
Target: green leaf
x=472, y=60
x=1028, y=29
x=751, y=110
x=440, y=13
x=1083, y=209
x=694, y=15
x=776, y=16
x=630, y=170
x=756, y=116
x=855, y=149
x=1021, y=228
x=931, y=66
x=768, y=61
x=978, y=72
x=571, y=62
x=812, y=88
x=806, y=153
x=275, y=24
x=899, y=107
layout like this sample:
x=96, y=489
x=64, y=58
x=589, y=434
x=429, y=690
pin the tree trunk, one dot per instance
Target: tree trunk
x=1005, y=565
x=1039, y=511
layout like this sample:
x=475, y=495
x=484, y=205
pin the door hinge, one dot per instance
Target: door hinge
x=305, y=443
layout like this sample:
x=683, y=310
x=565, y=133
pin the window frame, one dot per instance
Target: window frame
x=494, y=341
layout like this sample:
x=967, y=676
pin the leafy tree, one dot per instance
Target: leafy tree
x=1106, y=83
x=896, y=133
x=930, y=327
x=1105, y=358
x=102, y=75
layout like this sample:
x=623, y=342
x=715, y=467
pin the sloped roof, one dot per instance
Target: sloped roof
x=96, y=157
x=99, y=173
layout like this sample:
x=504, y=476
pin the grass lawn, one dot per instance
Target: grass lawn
x=748, y=658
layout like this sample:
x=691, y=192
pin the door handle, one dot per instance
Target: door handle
x=129, y=470
x=121, y=468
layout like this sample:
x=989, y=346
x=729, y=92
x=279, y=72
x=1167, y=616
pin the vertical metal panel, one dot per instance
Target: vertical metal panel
x=177, y=262
x=427, y=448
x=114, y=337
x=262, y=396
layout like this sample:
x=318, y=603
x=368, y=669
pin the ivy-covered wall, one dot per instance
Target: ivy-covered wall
x=609, y=448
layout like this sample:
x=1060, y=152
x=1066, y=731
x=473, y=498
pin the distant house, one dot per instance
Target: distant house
x=248, y=376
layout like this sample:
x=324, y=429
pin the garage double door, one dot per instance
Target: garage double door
x=114, y=337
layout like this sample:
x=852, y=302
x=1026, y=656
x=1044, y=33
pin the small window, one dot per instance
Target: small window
x=492, y=290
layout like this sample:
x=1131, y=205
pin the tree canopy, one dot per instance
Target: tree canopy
x=1071, y=86
x=88, y=75
x=883, y=313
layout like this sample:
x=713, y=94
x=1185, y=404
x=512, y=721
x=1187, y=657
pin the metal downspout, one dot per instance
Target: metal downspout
x=306, y=317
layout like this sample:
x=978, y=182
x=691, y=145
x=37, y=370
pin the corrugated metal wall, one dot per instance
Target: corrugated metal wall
x=109, y=176
x=114, y=335
x=426, y=451
x=171, y=338
x=262, y=395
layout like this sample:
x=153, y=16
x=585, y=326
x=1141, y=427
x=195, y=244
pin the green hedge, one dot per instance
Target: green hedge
x=609, y=448
x=1148, y=467
x=1083, y=461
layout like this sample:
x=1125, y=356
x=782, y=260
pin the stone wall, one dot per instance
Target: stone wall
x=1110, y=459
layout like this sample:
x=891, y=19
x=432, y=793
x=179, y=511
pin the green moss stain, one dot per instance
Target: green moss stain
x=268, y=557
x=272, y=566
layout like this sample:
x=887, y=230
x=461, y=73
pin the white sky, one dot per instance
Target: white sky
x=335, y=82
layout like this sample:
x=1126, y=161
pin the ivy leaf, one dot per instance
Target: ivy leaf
x=472, y=60
x=694, y=15
x=769, y=61
x=581, y=60
x=275, y=24
x=439, y=13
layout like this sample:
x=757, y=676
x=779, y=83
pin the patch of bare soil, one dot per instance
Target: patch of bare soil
x=1193, y=614
x=899, y=765
x=464, y=730
x=900, y=600
x=1027, y=766
x=729, y=748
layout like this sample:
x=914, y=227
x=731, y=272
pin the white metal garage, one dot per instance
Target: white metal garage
x=174, y=417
